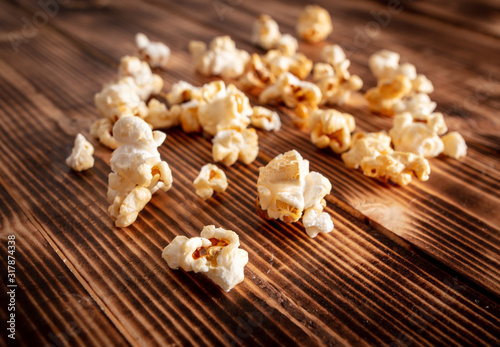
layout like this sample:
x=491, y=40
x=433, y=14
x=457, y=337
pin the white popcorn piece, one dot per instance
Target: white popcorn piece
x=419, y=105
x=280, y=62
x=231, y=145
x=264, y=118
x=333, y=78
x=117, y=100
x=221, y=59
x=210, y=179
x=256, y=75
x=396, y=167
x=102, y=130
x=292, y=91
x=367, y=145
x=265, y=32
x=215, y=253
x=145, y=81
x=288, y=191
x=160, y=117
x=331, y=128
x=137, y=169
x=81, y=157
x=287, y=44
x=314, y=24
x=384, y=63
x=454, y=145
x=156, y=54
x=415, y=137
x=183, y=91
x=229, y=111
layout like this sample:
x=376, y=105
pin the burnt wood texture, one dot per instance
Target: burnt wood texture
x=417, y=265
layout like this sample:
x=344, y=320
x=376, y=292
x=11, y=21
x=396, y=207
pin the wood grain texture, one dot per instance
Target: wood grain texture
x=388, y=274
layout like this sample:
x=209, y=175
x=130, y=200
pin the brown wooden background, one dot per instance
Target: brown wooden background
x=404, y=266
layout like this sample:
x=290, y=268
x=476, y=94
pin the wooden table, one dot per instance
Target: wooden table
x=404, y=266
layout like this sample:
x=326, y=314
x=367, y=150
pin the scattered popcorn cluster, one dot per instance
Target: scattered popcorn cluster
x=289, y=192
x=215, y=253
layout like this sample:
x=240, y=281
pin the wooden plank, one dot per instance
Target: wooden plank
x=354, y=286
x=50, y=307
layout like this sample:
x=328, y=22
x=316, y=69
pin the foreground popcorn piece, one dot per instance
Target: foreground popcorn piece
x=221, y=59
x=396, y=167
x=366, y=145
x=210, y=179
x=387, y=93
x=215, y=253
x=288, y=191
x=331, y=128
x=231, y=145
x=454, y=145
x=333, y=77
x=266, y=119
x=314, y=24
x=81, y=157
x=145, y=81
x=417, y=137
x=292, y=91
x=156, y=54
x=137, y=169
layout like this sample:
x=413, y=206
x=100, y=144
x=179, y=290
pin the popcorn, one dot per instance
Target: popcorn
x=419, y=105
x=137, y=169
x=264, y=118
x=279, y=63
x=387, y=93
x=145, y=81
x=396, y=167
x=288, y=45
x=81, y=156
x=210, y=179
x=183, y=91
x=156, y=54
x=366, y=145
x=331, y=128
x=288, y=191
x=314, y=24
x=292, y=91
x=188, y=116
x=418, y=138
x=454, y=145
x=333, y=79
x=102, y=130
x=256, y=75
x=160, y=117
x=231, y=145
x=215, y=253
x=221, y=59
x=230, y=111
x=383, y=63
x=265, y=32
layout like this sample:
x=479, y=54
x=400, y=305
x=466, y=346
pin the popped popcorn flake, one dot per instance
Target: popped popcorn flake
x=222, y=58
x=454, y=145
x=264, y=118
x=314, y=24
x=331, y=128
x=215, y=253
x=146, y=82
x=257, y=75
x=210, y=179
x=265, y=32
x=137, y=170
x=288, y=191
x=292, y=91
x=279, y=63
x=366, y=145
x=160, y=117
x=156, y=54
x=81, y=157
x=231, y=145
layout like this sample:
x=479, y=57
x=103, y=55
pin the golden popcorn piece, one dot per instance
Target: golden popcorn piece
x=396, y=167
x=288, y=191
x=156, y=54
x=367, y=145
x=331, y=128
x=314, y=24
x=222, y=58
x=264, y=118
x=102, y=130
x=183, y=91
x=454, y=145
x=292, y=91
x=210, y=179
x=265, y=32
x=160, y=117
x=232, y=145
x=279, y=62
x=81, y=157
x=146, y=83
x=137, y=169
x=416, y=137
x=215, y=253
x=257, y=76
x=388, y=92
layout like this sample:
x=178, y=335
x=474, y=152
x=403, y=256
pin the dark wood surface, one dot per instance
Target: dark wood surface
x=404, y=266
